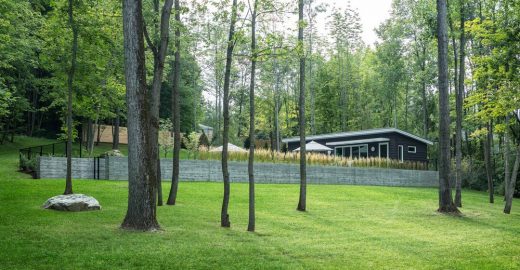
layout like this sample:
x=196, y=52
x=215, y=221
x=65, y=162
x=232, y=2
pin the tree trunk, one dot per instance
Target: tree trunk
x=511, y=184
x=142, y=166
x=98, y=126
x=241, y=104
x=423, y=93
x=250, y=163
x=159, y=54
x=70, y=84
x=115, y=140
x=302, y=203
x=458, y=108
x=311, y=78
x=446, y=204
x=176, y=110
x=488, y=161
x=90, y=136
x=507, y=151
x=224, y=216
x=159, y=180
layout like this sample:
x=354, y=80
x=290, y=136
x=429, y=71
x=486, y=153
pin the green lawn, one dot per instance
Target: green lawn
x=349, y=227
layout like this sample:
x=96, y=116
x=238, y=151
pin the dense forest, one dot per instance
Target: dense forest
x=348, y=85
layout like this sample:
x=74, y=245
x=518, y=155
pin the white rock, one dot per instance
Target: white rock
x=72, y=202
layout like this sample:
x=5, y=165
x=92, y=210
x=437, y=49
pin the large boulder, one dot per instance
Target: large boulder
x=72, y=202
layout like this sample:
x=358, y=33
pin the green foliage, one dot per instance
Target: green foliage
x=19, y=46
x=99, y=82
x=192, y=143
x=26, y=164
x=166, y=139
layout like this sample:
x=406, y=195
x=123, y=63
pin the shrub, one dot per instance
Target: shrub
x=27, y=165
x=113, y=153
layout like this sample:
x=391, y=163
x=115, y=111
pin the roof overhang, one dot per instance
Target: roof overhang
x=358, y=133
x=358, y=141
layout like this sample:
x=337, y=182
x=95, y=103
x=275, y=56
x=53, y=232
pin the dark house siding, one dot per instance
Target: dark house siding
x=395, y=139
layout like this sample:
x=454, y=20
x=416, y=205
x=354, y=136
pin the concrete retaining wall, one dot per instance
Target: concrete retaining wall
x=116, y=168
x=56, y=167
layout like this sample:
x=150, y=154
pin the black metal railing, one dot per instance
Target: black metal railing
x=28, y=154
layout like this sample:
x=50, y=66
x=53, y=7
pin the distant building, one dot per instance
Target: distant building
x=389, y=143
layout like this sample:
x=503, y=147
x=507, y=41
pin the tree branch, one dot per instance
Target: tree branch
x=149, y=41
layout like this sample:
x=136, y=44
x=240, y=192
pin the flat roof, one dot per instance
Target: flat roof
x=358, y=133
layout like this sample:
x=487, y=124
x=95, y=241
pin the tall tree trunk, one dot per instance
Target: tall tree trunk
x=34, y=111
x=159, y=56
x=142, y=157
x=424, y=95
x=115, y=140
x=224, y=216
x=176, y=110
x=311, y=78
x=407, y=90
x=511, y=182
x=507, y=151
x=458, y=108
x=250, y=163
x=488, y=160
x=70, y=84
x=445, y=199
x=90, y=136
x=241, y=104
x=98, y=135
x=302, y=202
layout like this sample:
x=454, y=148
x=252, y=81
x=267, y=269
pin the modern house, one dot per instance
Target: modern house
x=389, y=143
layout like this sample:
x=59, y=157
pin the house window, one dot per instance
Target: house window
x=400, y=154
x=354, y=151
x=412, y=149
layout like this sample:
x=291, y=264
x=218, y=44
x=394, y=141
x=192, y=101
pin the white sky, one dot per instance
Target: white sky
x=371, y=12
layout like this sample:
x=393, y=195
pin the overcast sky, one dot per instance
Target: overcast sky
x=371, y=12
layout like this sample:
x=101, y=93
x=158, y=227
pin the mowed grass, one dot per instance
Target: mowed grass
x=345, y=227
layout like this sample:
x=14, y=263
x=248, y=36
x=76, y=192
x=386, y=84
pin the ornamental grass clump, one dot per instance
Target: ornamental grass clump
x=266, y=155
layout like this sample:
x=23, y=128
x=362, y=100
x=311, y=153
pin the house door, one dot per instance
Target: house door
x=383, y=150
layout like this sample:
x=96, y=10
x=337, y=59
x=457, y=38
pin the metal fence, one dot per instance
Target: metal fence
x=28, y=155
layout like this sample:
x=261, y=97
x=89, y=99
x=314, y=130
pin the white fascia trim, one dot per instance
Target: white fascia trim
x=358, y=133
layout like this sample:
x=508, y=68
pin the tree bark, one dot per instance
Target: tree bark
x=488, y=161
x=90, y=136
x=458, y=108
x=512, y=182
x=115, y=140
x=302, y=203
x=224, y=216
x=159, y=56
x=142, y=159
x=176, y=110
x=507, y=150
x=98, y=126
x=311, y=78
x=424, y=96
x=70, y=84
x=250, y=163
x=446, y=204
